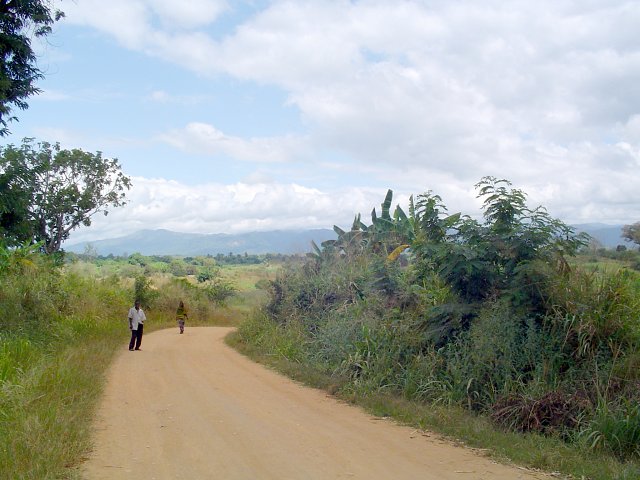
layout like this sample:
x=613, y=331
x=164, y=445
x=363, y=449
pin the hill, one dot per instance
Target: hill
x=166, y=242
x=610, y=236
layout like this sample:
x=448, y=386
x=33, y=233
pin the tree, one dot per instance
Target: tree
x=20, y=20
x=632, y=232
x=46, y=192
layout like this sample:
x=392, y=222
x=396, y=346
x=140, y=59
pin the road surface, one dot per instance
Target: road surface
x=190, y=407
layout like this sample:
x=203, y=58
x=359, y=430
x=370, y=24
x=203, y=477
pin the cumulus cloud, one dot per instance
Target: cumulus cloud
x=240, y=207
x=191, y=14
x=204, y=138
x=425, y=94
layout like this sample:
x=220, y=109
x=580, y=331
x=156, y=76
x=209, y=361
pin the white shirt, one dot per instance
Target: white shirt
x=136, y=317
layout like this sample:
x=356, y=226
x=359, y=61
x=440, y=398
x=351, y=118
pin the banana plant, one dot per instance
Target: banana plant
x=388, y=231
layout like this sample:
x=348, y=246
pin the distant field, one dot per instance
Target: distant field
x=248, y=279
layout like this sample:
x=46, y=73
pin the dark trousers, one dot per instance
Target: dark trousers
x=136, y=337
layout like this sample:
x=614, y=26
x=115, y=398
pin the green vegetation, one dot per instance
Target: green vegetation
x=632, y=232
x=47, y=192
x=493, y=326
x=20, y=22
x=509, y=334
x=62, y=324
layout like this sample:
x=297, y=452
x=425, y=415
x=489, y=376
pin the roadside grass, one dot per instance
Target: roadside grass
x=52, y=375
x=47, y=409
x=280, y=349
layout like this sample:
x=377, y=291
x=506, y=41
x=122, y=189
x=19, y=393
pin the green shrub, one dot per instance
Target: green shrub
x=495, y=357
x=144, y=292
x=615, y=428
x=596, y=313
x=274, y=339
x=31, y=297
x=219, y=290
x=486, y=315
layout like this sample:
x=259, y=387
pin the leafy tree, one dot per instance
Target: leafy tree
x=219, y=290
x=47, y=191
x=90, y=251
x=632, y=232
x=20, y=21
x=489, y=258
x=144, y=292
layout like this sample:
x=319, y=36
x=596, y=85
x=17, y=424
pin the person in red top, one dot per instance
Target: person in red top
x=136, y=324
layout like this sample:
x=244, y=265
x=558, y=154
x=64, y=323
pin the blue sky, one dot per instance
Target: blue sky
x=258, y=115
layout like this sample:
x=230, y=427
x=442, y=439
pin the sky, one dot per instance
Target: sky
x=236, y=116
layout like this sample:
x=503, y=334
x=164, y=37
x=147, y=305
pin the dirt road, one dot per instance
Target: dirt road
x=189, y=407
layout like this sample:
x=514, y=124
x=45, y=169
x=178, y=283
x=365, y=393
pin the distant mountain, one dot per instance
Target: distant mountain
x=166, y=242
x=609, y=235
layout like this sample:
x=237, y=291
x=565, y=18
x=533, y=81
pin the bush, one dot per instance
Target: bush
x=262, y=332
x=597, y=314
x=219, y=291
x=31, y=297
x=497, y=356
x=490, y=315
x=144, y=292
x=615, y=428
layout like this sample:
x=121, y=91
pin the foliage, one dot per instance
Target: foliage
x=260, y=331
x=219, y=290
x=19, y=23
x=48, y=191
x=60, y=328
x=597, y=315
x=615, y=428
x=144, y=292
x=30, y=291
x=632, y=232
x=207, y=274
x=491, y=315
x=485, y=260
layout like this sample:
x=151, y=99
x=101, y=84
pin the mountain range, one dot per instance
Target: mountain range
x=166, y=242
x=610, y=236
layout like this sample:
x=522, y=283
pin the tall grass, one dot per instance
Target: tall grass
x=427, y=405
x=615, y=430
x=55, y=344
x=560, y=368
x=61, y=329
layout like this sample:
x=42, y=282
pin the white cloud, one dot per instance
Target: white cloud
x=204, y=138
x=53, y=96
x=161, y=96
x=66, y=138
x=425, y=95
x=127, y=21
x=191, y=14
x=215, y=208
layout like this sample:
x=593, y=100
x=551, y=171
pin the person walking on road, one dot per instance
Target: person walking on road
x=181, y=316
x=136, y=324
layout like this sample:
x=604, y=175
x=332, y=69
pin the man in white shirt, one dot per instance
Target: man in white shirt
x=136, y=324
